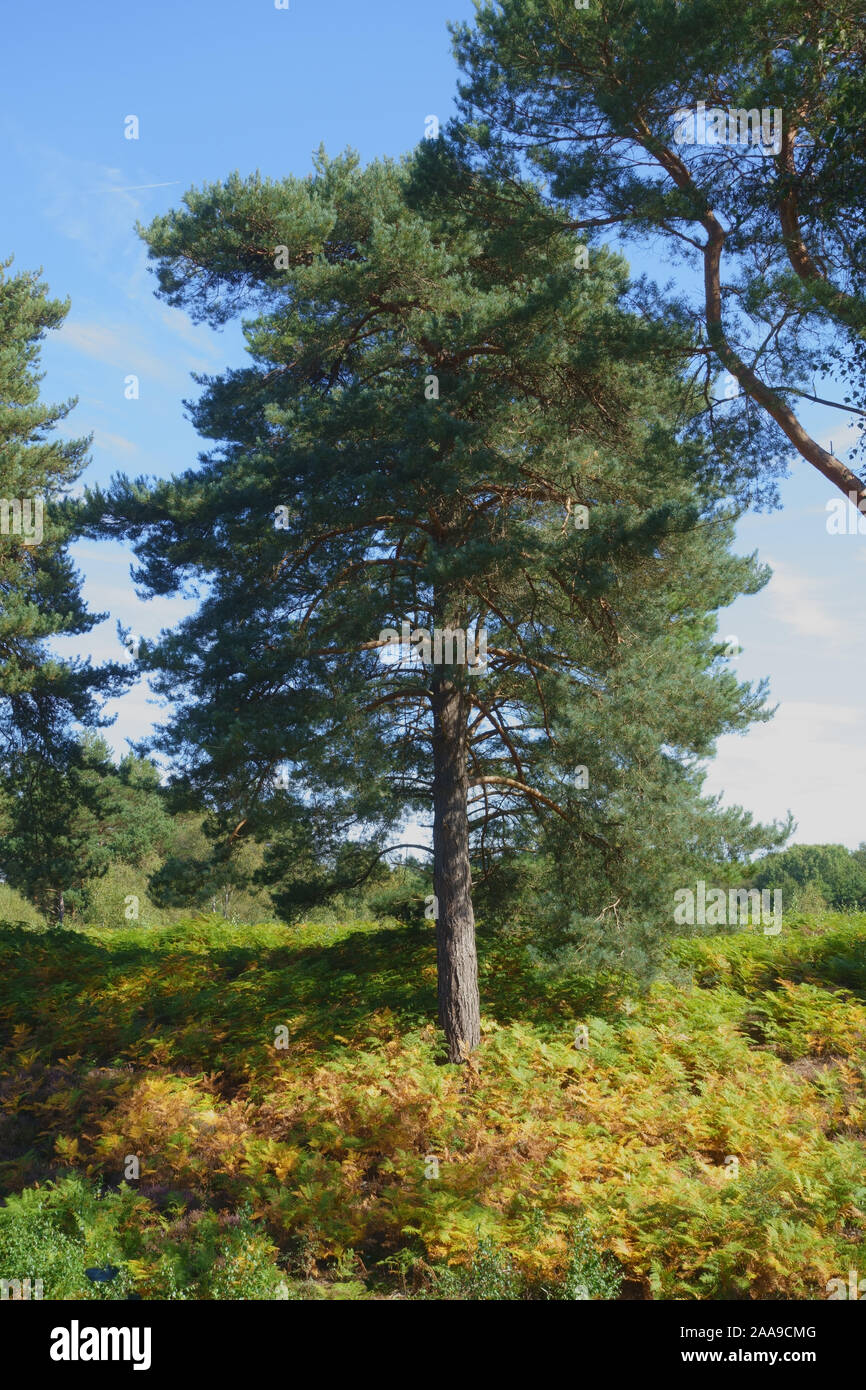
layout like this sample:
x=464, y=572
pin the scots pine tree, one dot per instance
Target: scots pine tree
x=729, y=136
x=41, y=696
x=48, y=813
x=39, y=587
x=447, y=421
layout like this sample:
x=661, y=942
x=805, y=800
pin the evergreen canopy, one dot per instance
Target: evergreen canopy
x=729, y=135
x=39, y=587
x=445, y=422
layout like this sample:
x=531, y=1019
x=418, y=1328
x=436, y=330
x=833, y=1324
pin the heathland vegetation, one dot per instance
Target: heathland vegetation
x=459, y=544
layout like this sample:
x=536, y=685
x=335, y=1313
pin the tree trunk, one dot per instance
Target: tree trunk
x=60, y=908
x=459, y=1007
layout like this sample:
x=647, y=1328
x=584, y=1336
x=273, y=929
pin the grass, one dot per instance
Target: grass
x=708, y=1143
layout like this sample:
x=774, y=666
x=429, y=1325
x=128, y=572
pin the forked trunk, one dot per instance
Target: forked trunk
x=459, y=1008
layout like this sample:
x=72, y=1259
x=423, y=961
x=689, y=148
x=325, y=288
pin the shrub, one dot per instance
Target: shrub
x=491, y=1275
x=16, y=908
x=57, y=1232
x=588, y=1274
x=119, y=899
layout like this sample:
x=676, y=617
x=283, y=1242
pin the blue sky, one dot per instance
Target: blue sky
x=244, y=85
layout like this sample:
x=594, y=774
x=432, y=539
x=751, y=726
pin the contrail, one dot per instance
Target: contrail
x=134, y=187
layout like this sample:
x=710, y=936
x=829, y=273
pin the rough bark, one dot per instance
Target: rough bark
x=459, y=1006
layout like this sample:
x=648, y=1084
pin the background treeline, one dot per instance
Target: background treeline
x=117, y=851
x=122, y=852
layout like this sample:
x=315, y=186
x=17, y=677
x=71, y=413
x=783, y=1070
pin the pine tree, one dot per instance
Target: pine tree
x=39, y=586
x=444, y=423
x=41, y=696
x=729, y=134
x=48, y=812
x=66, y=821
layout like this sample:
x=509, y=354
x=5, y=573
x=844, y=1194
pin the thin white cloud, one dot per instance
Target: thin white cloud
x=797, y=601
x=197, y=336
x=113, y=442
x=115, y=346
x=66, y=185
x=840, y=437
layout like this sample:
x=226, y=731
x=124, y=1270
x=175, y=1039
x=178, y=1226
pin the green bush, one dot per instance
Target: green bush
x=491, y=1275
x=58, y=1231
x=119, y=899
x=588, y=1275
x=210, y=1255
x=15, y=908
